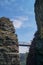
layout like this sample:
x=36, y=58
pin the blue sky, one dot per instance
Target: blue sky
x=21, y=12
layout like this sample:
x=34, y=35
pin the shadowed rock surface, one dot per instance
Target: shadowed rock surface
x=35, y=56
x=9, y=50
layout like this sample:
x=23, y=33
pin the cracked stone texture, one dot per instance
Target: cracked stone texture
x=9, y=50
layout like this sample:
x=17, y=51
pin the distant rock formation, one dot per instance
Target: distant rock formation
x=9, y=50
x=35, y=56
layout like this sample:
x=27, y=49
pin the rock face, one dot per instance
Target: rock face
x=35, y=56
x=39, y=16
x=9, y=50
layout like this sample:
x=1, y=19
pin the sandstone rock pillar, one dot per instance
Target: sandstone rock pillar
x=9, y=50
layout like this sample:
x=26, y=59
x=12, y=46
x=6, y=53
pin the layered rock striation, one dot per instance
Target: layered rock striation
x=9, y=50
x=35, y=56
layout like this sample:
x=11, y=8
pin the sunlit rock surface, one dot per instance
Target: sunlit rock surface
x=9, y=50
x=35, y=56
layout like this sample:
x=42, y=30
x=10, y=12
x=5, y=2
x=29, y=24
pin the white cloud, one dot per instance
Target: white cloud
x=6, y=3
x=23, y=49
x=19, y=21
x=23, y=18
